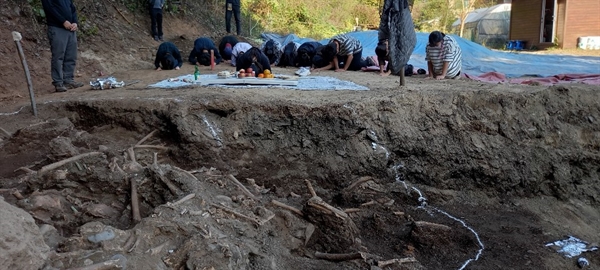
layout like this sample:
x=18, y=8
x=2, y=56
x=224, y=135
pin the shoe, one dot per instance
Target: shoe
x=156, y=38
x=303, y=71
x=160, y=38
x=60, y=88
x=73, y=85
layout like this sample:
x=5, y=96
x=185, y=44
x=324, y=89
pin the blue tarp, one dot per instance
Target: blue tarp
x=478, y=59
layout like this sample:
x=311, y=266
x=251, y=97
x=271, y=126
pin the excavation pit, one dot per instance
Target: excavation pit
x=401, y=180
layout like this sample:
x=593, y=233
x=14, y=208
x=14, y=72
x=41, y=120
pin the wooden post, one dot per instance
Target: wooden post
x=402, y=78
x=17, y=38
x=212, y=60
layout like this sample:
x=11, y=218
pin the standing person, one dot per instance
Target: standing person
x=232, y=6
x=343, y=49
x=200, y=55
x=397, y=32
x=61, y=18
x=156, y=16
x=226, y=47
x=168, y=57
x=443, y=56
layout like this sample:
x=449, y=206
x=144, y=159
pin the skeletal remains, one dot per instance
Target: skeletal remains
x=334, y=225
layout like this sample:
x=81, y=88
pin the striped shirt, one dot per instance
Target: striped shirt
x=449, y=52
x=348, y=44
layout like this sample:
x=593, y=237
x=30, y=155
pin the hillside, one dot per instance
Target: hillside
x=444, y=175
x=112, y=38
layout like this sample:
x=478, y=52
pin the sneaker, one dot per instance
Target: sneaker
x=60, y=88
x=73, y=85
x=303, y=71
x=160, y=38
x=156, y=38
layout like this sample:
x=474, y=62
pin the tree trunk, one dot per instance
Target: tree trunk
x=462, y=25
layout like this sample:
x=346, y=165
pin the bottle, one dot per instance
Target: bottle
x=196, y=73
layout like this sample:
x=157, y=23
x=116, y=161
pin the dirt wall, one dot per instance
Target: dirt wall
x=522, y=144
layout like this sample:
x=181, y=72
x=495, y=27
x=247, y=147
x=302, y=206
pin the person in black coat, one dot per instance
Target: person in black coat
x=288, y=57
x=167, y=57
x=306, y=52
x=200, y=55
x=253, y=58
x=396, y=28
x=226, y=47
x=232, y=7
x=61, y=17
x=272, y=49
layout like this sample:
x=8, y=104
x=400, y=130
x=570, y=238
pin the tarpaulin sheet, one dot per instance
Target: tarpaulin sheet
x=477, y=59
x=322, y=83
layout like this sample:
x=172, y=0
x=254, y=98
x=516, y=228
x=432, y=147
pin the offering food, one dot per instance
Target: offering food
x=241, y=73
x=224, y=74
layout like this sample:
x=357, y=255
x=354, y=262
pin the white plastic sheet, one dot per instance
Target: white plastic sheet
x=572, y=246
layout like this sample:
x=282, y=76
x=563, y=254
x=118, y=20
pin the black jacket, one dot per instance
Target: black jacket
x=168, y=48
x=246, y=60
x=306, y=52
x=200, y=45
x=59, y=11
x=227, y=39
x=233, y=2
x=288, y=58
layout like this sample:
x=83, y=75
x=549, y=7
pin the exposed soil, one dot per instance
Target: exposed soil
x=445, y=170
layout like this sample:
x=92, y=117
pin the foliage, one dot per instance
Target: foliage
x=307, y=18
x=430, y=15
x=37, y=9
x=86, y=27
x=135, y=5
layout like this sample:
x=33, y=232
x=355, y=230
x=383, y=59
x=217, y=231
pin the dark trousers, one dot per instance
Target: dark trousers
x=156, y=15
x=235, y=9
x=63, y=44
x=357, y=61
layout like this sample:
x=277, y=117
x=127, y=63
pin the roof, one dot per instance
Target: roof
x=490, y=13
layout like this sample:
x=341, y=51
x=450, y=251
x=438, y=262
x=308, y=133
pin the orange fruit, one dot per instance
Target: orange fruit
x=260, y=75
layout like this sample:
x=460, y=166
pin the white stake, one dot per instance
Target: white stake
x=17, y=38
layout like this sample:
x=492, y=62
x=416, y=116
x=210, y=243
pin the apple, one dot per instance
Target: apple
x=249, y=70
x=242, y=71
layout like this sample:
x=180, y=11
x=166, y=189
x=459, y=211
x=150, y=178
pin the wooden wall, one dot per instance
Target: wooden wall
x=525, y=16
x=560, y=22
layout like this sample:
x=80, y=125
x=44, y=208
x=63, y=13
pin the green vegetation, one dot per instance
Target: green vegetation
x=37, y=9
x=315, y=19
x=321, y=19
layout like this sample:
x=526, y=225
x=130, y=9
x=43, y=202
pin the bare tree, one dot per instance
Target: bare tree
x=463, y=8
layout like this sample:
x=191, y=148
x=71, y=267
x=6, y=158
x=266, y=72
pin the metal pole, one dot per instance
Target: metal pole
x=17, y=38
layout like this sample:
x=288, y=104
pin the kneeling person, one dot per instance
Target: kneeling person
x=200, y=55
x=253, y=58
x=343, y=49
x=443, y=56
x=167, y=57
x=383, y=56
